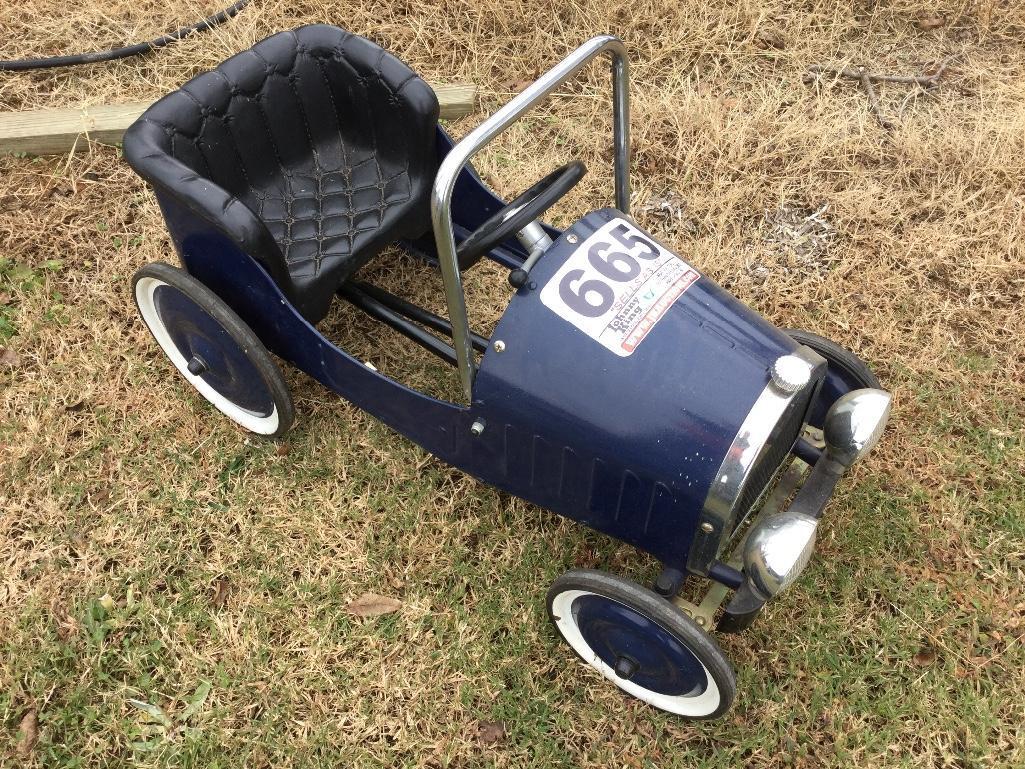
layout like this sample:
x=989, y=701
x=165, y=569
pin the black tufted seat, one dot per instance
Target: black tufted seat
x=312, y=151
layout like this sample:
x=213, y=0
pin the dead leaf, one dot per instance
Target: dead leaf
x=9, y=358
x=67, y=626
x=925, y=657
x=373, y=605
x=222, y=588
x=931, y=22
x=490, y=732
x=101, y=495
x=28, y=733
x=516, y=85
x=283, y=449
x=769, y=38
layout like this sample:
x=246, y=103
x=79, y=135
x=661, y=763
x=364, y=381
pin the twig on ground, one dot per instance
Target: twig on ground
x=912, y=95
x=926, y=81
x=873, y=101
x=866, y=79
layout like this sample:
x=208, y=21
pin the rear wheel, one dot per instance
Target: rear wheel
x=213, y=349
x=642, y=643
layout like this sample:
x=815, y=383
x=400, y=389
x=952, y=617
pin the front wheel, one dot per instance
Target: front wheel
x=642, y=643
x=213, y=349
x=845, y=372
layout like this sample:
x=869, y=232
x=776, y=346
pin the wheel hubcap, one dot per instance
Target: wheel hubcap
x=625, y=668
x=197, y=365
x=638, y=649
x=211, y=353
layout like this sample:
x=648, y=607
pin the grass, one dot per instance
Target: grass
x=173, y=593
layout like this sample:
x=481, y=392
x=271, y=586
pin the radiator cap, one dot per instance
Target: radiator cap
x=790, y=373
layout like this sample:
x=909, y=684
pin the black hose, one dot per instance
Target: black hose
x=20, y=65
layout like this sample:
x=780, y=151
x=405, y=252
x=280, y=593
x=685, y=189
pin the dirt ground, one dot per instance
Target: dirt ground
x=175, y=593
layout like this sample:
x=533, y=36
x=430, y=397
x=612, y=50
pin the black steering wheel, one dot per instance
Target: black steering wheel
x=520, y=212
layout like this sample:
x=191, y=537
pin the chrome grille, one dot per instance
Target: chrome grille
x=767, y=434
x=777, y=447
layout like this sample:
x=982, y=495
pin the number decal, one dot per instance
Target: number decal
x=577, y=299
x=621, y=233
x=614, y=266
x=617, y=285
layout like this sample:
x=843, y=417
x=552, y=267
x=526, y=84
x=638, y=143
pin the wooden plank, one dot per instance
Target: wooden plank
x=56, y=131
x=456, y=100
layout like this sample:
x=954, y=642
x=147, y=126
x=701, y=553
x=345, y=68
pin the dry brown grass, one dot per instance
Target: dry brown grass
x=240, y=558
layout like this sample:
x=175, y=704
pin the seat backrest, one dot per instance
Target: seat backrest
x=314, y=97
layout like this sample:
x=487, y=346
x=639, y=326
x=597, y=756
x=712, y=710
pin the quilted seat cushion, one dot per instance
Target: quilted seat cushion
x=313, y=150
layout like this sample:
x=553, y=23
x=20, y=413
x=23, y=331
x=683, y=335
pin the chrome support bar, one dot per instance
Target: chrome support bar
x=717, y=592
x=482, y=135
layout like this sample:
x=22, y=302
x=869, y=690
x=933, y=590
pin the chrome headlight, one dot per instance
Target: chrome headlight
x=854, y=424
x=777, y=550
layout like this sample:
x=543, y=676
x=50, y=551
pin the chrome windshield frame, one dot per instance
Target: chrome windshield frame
x=484, y=134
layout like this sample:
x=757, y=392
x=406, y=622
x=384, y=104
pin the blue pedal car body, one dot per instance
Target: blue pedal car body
x=621, y=388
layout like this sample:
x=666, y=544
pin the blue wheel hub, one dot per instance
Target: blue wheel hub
x=210, y=349
x=637, y=648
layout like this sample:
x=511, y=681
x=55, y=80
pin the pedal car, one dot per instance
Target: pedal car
x=621, y=388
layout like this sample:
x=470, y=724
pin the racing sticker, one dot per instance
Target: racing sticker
x=617, y=285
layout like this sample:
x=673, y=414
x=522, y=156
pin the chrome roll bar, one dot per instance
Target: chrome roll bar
x=484, y=134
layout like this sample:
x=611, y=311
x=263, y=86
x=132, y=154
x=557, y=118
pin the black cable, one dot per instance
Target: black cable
x=20, y=65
